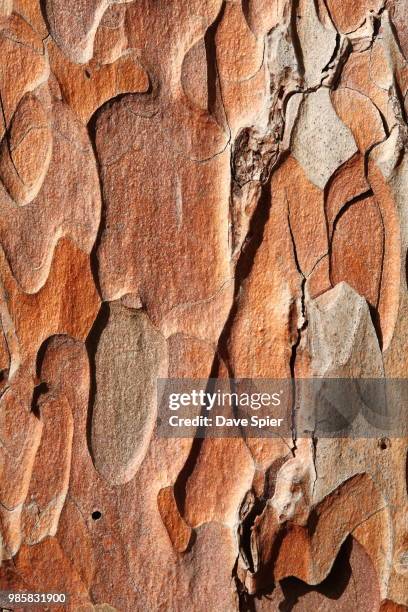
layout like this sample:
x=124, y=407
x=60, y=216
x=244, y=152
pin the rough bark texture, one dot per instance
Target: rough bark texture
x=196, y=188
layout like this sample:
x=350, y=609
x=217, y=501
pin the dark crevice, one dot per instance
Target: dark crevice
x=375, y=315
x=94, y=263
x=359, y=198
x=406, y=473
x=257, y=506
x=292, y=238
x=245, y=11
x=314, y=441
x=386, y=132
x=42, y=387
x=39, y=390
x=91, y=345
x=292, y=366
x=376, y=25
x=253, y=239
x=297, y=47
x=265, y=575
x=244, y=266
x=180, y=484
x=406, y=268
x=185, y=473
x=334, y=54
x=376, y=28
x=191, y=542
x=251, y=508
x=293, y=589
x=7, y=129
x=40, y=356
x=300, y=330
x=245, y=602
x=335, y=78
x=332, y=587
x=368, y=152
x=245, y=529
x=45, y=14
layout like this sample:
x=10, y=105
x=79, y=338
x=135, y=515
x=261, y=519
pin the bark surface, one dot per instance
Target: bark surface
x=196, y=189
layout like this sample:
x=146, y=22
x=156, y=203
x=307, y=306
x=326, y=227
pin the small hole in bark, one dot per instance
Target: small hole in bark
x=384, y=443
x=87, y=74
x=96, y=515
